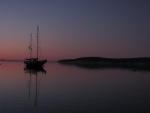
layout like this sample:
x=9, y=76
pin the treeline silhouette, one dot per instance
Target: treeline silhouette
x=137, y=63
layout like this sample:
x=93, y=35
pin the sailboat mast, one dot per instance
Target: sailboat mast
x=31, y=45
x=37, y=41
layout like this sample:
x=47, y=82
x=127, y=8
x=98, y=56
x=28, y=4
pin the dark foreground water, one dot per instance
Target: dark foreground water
x=71, y=89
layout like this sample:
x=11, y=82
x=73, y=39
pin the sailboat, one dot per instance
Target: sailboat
x=34, y=62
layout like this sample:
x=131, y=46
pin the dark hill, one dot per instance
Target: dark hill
x=101, y=59
x=142, y=62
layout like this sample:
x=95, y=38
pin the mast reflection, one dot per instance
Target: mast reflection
x=35, y=72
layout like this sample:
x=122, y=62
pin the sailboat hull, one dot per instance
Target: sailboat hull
x=34, y=64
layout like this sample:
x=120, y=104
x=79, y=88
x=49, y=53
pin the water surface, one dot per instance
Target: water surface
x=71, y=89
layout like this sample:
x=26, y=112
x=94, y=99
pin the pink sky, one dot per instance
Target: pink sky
x=75, y=28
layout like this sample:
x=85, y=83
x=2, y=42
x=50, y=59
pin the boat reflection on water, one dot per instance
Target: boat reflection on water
x=35, y=72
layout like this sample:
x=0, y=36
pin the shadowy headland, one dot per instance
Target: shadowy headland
x=142, y=63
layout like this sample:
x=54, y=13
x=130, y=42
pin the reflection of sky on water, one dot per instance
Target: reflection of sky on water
x=72, y=89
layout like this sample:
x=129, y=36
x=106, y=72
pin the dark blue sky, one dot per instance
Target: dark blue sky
x=76, y=28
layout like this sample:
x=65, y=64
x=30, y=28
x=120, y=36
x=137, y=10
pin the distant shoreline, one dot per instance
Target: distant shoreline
x=99, y=62
x=11, y=60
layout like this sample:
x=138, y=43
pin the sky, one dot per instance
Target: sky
x=75, y=28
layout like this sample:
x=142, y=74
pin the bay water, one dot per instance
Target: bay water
x=70, y=89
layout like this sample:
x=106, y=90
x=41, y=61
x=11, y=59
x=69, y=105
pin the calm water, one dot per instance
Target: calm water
x=71, y=89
